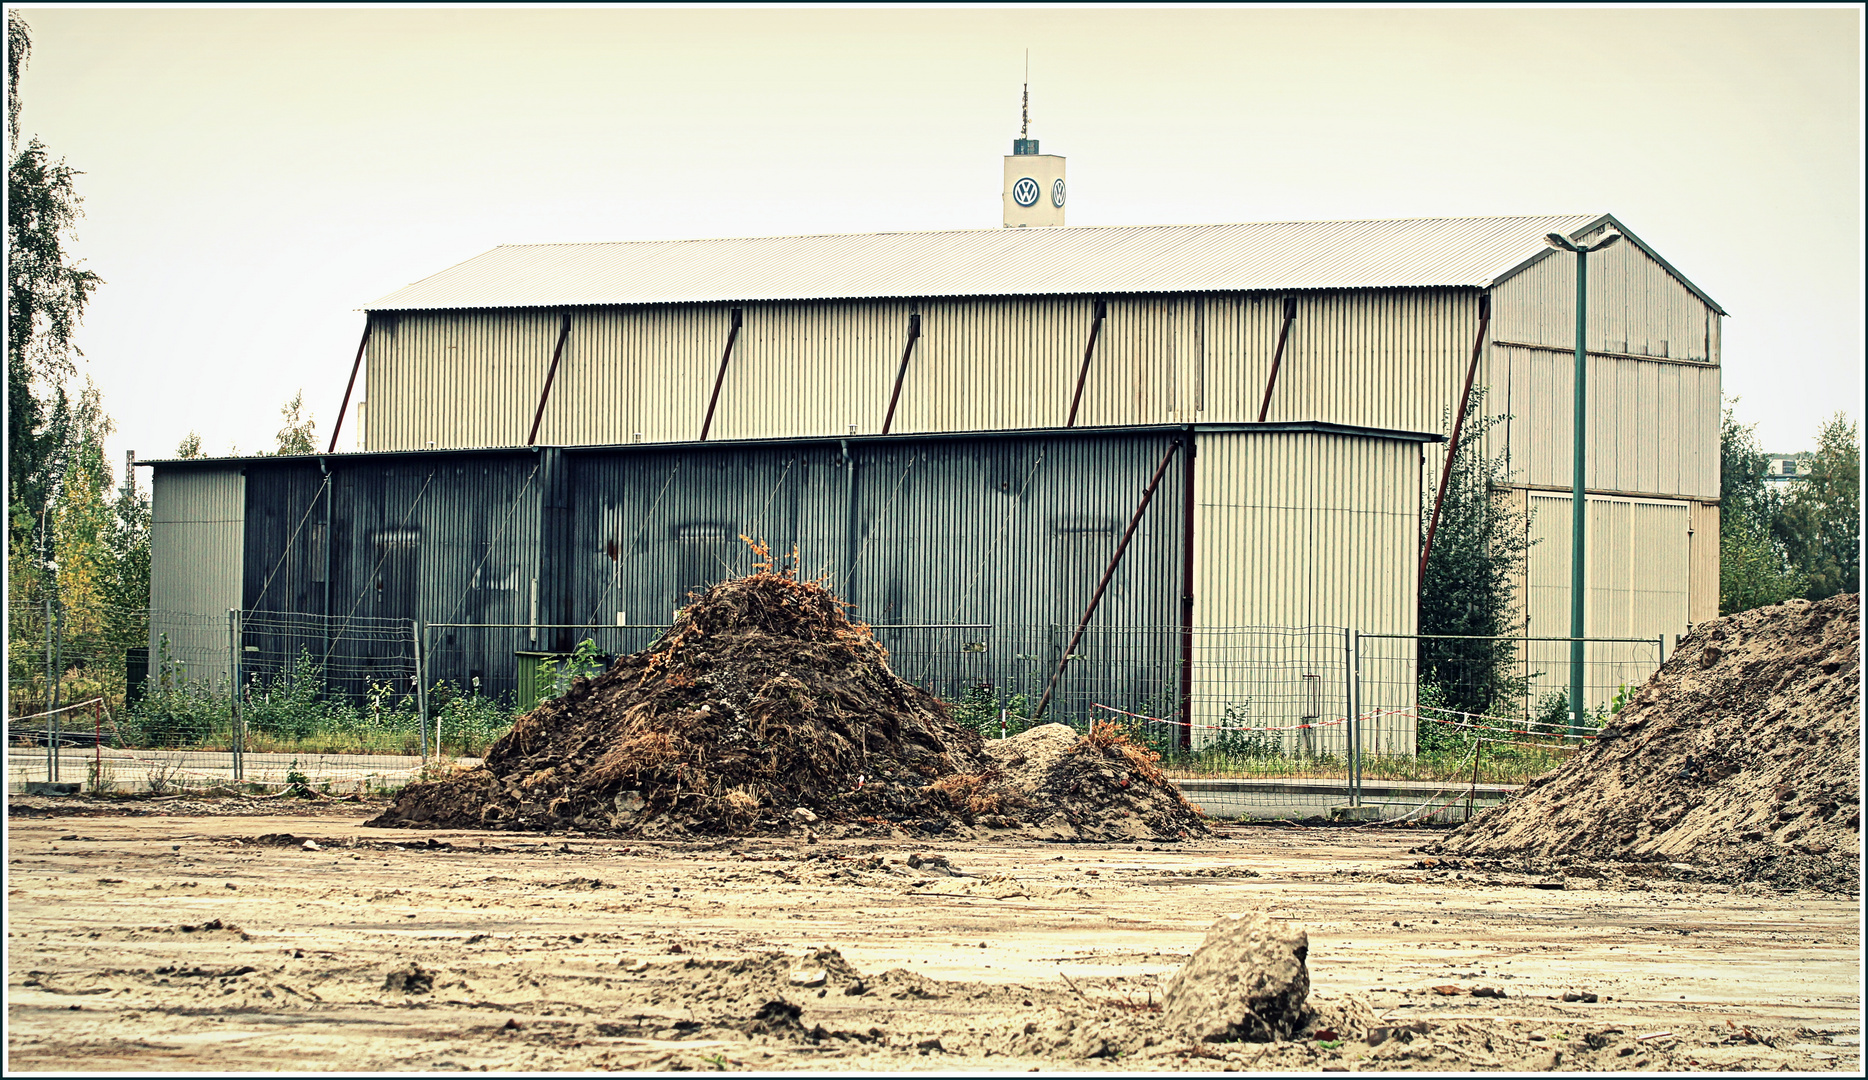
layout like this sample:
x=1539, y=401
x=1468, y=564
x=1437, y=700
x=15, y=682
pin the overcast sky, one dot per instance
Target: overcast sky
x=252, y=177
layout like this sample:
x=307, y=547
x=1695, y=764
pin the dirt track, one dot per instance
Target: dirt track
x=505, y=951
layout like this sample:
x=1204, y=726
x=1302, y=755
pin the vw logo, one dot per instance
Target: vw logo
x=1026, y=191
x=1057, y=194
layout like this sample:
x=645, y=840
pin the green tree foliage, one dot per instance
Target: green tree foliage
x=190, y=446
x=1755, y=569
x=46, y=295
x=299, y=435
x=1743, y=493
x=45, y=301
x=1469, y=588
x=78, y=546
x=1820, y=524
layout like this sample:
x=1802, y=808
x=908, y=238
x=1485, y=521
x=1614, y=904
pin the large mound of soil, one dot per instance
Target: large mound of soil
x=764, y=709
x=1741, y=755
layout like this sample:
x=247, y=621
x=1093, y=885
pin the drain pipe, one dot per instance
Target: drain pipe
x=1186, y=593
x=849, y=516
x=324, y=467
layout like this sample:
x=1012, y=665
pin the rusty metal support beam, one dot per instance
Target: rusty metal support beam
x=1108, y=572
x=914, y=335
x=1459, y=421
x=545, y=395
x=1096, y=326
x=732, y=335
x=354, y=365
x=1277, y=356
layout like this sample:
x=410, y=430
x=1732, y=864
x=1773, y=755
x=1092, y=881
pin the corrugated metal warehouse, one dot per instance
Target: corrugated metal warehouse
x=1301, y=355
x=1369, y=323
x=989, y=543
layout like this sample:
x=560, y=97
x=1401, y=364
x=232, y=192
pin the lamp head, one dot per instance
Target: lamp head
x=1607, y=239
x=1560, y=242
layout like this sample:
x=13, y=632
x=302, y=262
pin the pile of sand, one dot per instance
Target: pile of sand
x=763, y=710
x=1101, y=787
x=1741, y=757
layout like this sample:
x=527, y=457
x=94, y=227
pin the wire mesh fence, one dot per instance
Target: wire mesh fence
x=190, y=700
x=1257, y=720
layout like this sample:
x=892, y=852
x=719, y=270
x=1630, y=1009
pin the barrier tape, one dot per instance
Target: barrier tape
x=1214, y=727
x=1509, y=731
x=222, y=778
x=1373, y=715
x=55, y=712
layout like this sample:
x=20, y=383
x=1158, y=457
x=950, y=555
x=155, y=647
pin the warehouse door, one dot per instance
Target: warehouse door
x=398, y=571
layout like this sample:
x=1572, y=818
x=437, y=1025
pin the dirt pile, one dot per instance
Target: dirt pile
x=1101, y=787
x=1740, y=758
x=765, y=710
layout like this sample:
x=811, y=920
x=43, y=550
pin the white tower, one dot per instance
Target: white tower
x=1034, y=183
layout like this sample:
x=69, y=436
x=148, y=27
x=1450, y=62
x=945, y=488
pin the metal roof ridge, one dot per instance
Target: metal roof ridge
x=1044, y=230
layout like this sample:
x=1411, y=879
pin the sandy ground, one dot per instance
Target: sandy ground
x=181, y=935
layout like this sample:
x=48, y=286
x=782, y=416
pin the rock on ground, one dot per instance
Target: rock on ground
x=1741, y=756
x=1247, y=981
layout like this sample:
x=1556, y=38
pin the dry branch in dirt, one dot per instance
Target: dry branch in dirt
x=1741, y=755
x=765, y=709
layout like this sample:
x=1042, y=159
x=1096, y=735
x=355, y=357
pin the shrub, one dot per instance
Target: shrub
x=980, y=708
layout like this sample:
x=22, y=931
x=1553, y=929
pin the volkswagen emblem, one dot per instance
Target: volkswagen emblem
x=1026, y=191
x=1057, y=194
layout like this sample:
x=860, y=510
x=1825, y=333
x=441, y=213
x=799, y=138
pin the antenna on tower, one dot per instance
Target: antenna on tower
x=1024, y=107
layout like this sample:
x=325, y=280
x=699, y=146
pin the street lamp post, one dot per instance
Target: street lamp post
x=1564, y=243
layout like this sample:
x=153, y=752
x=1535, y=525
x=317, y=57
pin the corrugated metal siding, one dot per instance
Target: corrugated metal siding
x=1390, y=360
x=1638, y=558
x=448, y=539
x=1653, y=428
x=1401, y=253
x=457, y=379
x=1373, y=359
x=1703, y=570
x=1303, y=530
x=285, y=537
x=1635, y=306
x=1012, y=532
x=949, y=532
x=195, y=563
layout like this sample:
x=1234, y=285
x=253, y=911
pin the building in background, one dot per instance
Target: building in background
x=1197, y=561
x=1363, y=323
x=956, y=429
x=1783, y=468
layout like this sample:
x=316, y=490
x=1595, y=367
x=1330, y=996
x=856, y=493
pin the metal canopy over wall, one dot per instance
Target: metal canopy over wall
x=1012, y=529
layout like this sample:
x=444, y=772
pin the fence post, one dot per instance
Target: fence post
x=236, y=733
x=421, y=692
x=1478, y=746
x=1349, y=698
x=1355, y=718
x=51, y=766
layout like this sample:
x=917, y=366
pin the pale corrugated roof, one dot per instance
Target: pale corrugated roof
x=1412, y=252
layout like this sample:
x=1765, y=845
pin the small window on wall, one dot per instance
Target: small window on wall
x=706, y=553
